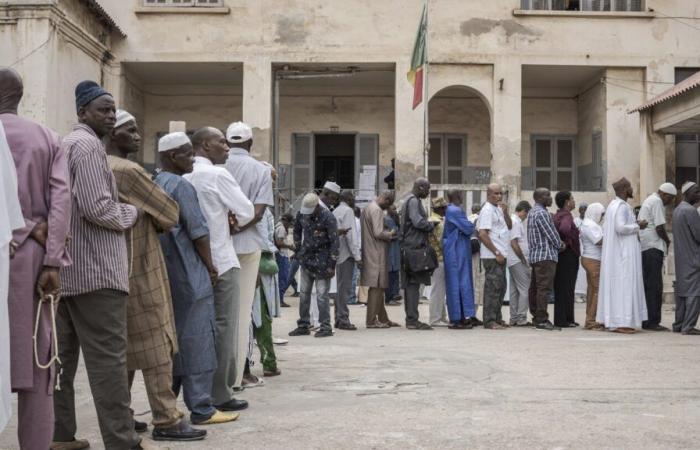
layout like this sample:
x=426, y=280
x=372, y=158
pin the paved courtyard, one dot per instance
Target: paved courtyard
x=517, y=388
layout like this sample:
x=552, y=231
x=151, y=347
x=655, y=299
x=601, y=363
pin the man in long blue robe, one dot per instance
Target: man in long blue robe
x=458, y=263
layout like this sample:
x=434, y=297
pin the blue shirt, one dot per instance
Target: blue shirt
x=542, y=235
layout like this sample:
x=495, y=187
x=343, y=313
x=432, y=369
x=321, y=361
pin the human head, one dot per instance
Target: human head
x=691, y=192
x=239, y=135
x=385, y=199
x=623, y=188
x=667, y=192
x=287, y=219
x=476, y=208
x=543, y=197
x=330, y=193
x=454, y=196
x=348, y=197
x=95, y=107
x=582, y=209
x=494, y=194
x=421, y=187
x=595, y=212
x=310, y=205
x=125, y=137
x=11, y=90
x=565, y=200
x=176, y=153
x=439, y=206
x=522, y=209
x=210, y=143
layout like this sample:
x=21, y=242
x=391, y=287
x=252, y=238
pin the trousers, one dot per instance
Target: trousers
x=411, y=300
x=438, y=308
x=323, y=286
x=519, y=293
x=343, y=274
x=393, y=290
x=376, y=311
x=96, y=323
x=495, y=285
x=227, y=304
x=247, y=279
x=161, y=398
x=263, y=336
x=652, y=270
x=541, y=285
x=196, y=391
x=564, y=288
x=35, y=414
x=283, y=274
x=592, y=268
x=687, y=313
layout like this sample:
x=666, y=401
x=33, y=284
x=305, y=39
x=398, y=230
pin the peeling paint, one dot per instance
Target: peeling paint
x=291, y=30
x=477, y=27
x=660, y=29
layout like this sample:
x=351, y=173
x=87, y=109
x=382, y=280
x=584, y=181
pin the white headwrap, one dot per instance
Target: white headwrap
x=594, y=213
x=172, y=140
x=123, y=117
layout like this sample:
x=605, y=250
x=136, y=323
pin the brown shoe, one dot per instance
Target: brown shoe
x=393, y=324
x=272, y=373
x=624, y=330
x=377, y=325
x=76, y=444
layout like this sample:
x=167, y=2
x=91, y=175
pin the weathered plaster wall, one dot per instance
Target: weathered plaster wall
x=591, y=120
x=468, y=116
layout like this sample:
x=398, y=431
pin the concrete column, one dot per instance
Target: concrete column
x=652, y=156
x=506, y=120
x=257, y=104
x=409, y=125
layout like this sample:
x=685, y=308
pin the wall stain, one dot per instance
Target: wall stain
x=477, y=27
x=291, y=30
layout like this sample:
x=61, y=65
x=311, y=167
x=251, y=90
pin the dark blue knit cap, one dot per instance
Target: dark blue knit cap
x=87, y=91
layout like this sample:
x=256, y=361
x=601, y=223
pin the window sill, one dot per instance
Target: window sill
x=588, y=14
x=182, y=10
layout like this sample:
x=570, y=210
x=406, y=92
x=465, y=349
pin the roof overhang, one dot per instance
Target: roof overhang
x=676, y=110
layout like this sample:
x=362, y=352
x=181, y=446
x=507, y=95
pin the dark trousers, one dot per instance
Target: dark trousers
x=652, y=270
x=564, y=288
x=495, y=285
x=393, y=290
x=291, y=277
x=687, y=313
x=541, y=285
x=376, y=311
x=343, y=274
x=411, y=300
x=283, y=274
x=96, y=323
x=196, y=391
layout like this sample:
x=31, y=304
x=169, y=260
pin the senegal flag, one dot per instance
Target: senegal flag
x=418, y=60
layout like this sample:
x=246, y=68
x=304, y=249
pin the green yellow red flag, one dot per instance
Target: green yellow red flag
x=418, y=60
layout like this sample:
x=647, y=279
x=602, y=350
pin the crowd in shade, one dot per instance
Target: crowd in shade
x=179, y=273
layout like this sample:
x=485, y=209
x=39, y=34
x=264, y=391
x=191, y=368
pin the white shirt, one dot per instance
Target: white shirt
x=652, y=211
x=218, y=193
x=517, y=232
x=591, y=234
x=255, y=181
x=491, y=219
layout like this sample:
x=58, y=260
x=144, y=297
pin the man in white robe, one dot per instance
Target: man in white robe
x=621, y=301
x=10, y=209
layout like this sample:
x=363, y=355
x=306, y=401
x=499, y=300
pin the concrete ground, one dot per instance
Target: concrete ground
x=517, y=388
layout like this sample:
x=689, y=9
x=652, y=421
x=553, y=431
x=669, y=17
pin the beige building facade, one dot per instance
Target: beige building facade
x=524, y=92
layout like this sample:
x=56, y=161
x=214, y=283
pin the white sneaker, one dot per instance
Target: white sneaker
x=279, y=341
x=439, y=323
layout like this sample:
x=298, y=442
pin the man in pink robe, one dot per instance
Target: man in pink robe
x=43, y=190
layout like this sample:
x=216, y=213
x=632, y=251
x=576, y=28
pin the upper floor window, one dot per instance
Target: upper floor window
x=583, y=5
x=171, y=3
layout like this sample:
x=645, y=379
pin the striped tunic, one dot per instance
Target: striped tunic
x=98, y=220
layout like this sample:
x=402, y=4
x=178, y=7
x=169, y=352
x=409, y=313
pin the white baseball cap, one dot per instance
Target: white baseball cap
x=309, y=204
x=238, y=132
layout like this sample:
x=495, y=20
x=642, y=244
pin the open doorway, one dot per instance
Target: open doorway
x=335, y=159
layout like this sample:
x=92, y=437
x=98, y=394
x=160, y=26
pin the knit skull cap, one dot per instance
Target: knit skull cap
x=687, y=185
x=172, y=141
x=87, y=91
x=668, y=188
x=123, y=117
x=331, y=186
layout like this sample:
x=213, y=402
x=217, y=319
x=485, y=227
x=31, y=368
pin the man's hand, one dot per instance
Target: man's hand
x=562, y=246
x=500, y=259
x=40, y=233
x=232, y=223
x=642, y=224
x=13, y=249
x=49, y=282
x=331, y=270
x=213, y=276
x=343, y=231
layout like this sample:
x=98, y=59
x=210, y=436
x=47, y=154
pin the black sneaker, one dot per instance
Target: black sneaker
x=323, y=333
x=546, y=326
x=140, y=427
x=300, y=332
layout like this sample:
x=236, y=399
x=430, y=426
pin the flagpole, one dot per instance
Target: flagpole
x=426, y=100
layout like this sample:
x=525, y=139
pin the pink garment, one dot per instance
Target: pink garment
x=43, y=188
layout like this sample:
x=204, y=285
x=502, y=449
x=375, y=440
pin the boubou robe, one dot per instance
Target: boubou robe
x=457, y=253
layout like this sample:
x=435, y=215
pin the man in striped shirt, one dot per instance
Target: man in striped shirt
x=92, y=312
x=544, y=243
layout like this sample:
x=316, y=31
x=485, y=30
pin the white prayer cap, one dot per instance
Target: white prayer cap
x=687, y=185
x=123, y=117
x=172, y=140
x=668, y=188
x=309, y=204
x=238, y=132
x=331, y=186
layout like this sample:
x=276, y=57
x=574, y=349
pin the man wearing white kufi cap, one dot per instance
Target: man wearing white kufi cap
x=256, y=183
x=686, y=249
x=655, y=242
x=151, y=340
x=330, y=195
x=192, y=275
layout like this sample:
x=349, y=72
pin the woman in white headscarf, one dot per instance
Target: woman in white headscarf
x=592, y=248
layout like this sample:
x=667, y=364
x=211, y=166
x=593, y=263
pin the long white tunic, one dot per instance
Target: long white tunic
x=621, y=301
x=10, y=219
